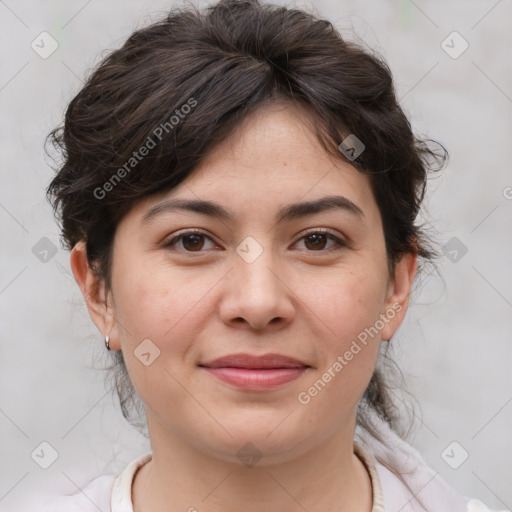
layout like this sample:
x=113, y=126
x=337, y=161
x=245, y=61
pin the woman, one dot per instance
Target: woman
x=239, y=193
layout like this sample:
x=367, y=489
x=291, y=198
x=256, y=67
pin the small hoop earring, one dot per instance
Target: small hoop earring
x=107, y=342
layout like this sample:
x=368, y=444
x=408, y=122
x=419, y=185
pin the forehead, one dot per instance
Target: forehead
x=273, y=158
x=277, y=141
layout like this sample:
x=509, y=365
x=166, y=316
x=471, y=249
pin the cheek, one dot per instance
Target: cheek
x=163, y=306
x=347, y=344
x=346, y=351
x=344, y=305
x=158, y=303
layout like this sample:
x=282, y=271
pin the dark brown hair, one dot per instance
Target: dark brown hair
x=186, y=83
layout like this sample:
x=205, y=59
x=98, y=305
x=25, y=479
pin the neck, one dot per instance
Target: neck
x=329, y=477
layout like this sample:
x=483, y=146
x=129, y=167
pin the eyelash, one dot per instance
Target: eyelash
x=340, y=243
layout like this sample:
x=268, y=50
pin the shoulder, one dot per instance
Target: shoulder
x=104, y=493
x=92, y=497
x=407, y=483
x=423, y=490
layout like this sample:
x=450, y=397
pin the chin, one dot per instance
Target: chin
x=264, y=440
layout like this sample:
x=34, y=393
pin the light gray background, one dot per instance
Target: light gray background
x=454, y=347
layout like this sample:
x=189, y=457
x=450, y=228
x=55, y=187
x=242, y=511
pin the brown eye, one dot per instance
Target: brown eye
x=318, y=240
x=191, y=241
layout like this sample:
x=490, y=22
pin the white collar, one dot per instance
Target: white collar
x=121, y=498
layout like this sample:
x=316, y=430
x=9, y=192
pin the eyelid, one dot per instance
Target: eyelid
x=340, y=241
x=179, y=234
x=326, y=231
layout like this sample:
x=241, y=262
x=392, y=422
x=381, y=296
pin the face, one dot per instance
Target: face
x=266, y=277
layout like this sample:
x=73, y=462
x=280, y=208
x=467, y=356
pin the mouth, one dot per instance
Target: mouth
x=256, y=373
x=250, y=362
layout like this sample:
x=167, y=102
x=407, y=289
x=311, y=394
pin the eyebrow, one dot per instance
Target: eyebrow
x=286, y=213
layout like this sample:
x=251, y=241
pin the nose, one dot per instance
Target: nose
x=256, y=294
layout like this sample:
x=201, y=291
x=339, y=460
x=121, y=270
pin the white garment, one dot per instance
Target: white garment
x=428, y=491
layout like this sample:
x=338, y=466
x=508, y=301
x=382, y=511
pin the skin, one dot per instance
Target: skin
x=305, y=301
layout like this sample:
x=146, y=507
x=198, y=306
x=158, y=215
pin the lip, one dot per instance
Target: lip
x=256, y=373
x=248, y=361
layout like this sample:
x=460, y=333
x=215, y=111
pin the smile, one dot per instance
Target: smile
x=257, y=379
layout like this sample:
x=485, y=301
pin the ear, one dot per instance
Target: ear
x=399, y=291
x=93, y=290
